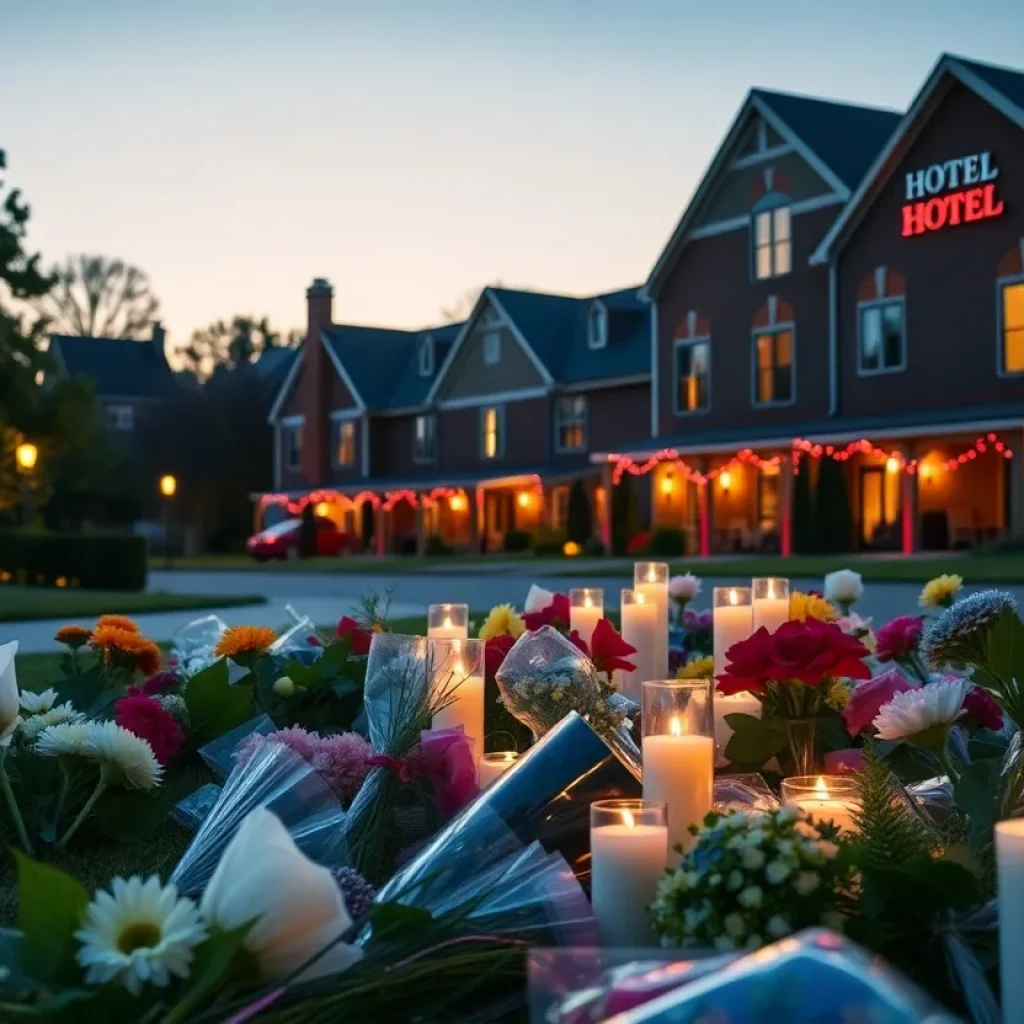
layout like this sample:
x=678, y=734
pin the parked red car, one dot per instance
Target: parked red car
x=282, y=540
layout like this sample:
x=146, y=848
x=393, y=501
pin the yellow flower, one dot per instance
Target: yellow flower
x=244, y=640
x=503, y=620
x=810, y=606
x=939, y=592
x=838, y=696
x=700, y=668
x=118, y=622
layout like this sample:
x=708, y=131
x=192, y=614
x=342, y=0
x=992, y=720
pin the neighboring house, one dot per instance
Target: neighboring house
x=467, y=431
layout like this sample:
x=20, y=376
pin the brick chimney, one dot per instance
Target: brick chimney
x=316, y=379
x=158, y=338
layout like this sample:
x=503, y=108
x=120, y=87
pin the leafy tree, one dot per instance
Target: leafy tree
x=97, y=297
x=579, y=522
x=233, y=343
x=803, y=539
x=832, y=521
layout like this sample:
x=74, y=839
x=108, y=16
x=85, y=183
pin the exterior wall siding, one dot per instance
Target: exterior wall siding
x=527, y=435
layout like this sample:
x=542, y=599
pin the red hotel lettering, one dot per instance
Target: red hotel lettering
x=947, y=211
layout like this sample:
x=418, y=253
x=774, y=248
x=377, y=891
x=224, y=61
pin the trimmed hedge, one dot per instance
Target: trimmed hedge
x=548, y=542
x=667, y=541
x=93, y=561
x=518, y=540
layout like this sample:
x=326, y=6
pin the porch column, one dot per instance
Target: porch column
x=476, y=519
x=606, y=526
x=1016, y=523
x=786, y=506
x=421, y=524
x=380, y=530
x=705, y=509
x=909, y=506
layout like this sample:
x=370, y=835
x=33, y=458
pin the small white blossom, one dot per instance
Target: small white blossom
x=724, y=944
x=843, y=586
x=788, y=814
x=684, y=588
x=777, y=872
x=753, y=942
x=750, y=897
x=715, y=879
x=735, y=880
x=832, y=919
x=778, y=927
x=828, y=849
x=735, y=925
x=806, y=882
x=753, y=859
x=755, y=837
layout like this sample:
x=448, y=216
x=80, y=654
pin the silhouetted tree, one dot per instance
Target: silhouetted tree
x=833, y=522
x=624, y=514
x=232, y=344
x=579, y=524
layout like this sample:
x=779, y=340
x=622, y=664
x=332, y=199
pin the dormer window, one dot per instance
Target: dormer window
x=426, y=356
x=771, y=237
x=597, y=326
x=490, y=325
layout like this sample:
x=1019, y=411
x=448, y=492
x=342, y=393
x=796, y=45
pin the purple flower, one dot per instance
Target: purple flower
x=359, y=894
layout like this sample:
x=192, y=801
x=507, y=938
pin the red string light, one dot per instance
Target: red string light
x=394, y=497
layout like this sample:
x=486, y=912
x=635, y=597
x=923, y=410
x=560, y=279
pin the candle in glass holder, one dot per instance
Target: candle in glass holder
x=1010, y=884
x=628, y=853
x=771, y=602
x=678, y=752
x=493, y=766
x=640, y=629
x=733, y=621
x=458, y=678
x=832, y=798
x=586, y=606
x=651, y=580
x=448, y=621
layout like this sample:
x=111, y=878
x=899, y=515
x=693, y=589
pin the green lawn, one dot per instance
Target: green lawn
x=22, y=604
x=356, y=565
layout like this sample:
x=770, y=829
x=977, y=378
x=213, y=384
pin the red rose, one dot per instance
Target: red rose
x=556, y=614
x=359, y=638
x=867, y=698
x=608, y=650
x=495, y=651
x=898, y=639
x=980, y=706
x=142, y=715
x=808, y=651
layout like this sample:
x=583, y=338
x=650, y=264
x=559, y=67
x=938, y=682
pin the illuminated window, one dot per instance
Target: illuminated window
x=344, y=443
x=597, y=326
x=768, y=495
x=1012, y=322
x=571, y=423
x=882, y=337
x=291, y=439
x=426, y=356
x=492, y=440
x=773, y=367
x=424, y=444
x=773, y=246
x=693, y=376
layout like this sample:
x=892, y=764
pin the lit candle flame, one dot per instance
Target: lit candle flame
x=820, y=789
x=674, y=727
x=628, y=820
x=447, y=622
x=733, y=597
x=651, y=575
x=640, y=598
x=771, y=589
x=587, y=602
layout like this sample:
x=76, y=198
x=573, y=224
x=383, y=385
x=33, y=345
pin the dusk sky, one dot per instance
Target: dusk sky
x=410, y=150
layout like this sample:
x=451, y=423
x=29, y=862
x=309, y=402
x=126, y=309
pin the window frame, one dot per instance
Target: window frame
x=499, y=427
x=769, y=205
x=338, y=429
x=759, y=332
x=1001, y=284
x=598, y=313
x=578, y=420
x=123, y=419
x=289, y=430
x=881, y=303
x=492, y=352
x=677, y=344
x=429, y=457
x=426, y=356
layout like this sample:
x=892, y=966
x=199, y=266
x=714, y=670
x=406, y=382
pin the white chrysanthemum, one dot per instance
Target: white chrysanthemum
x=37, y=703
x=130, y=754
x=752, y=860
x=32, y=726
x=844, y=586
x=750, y=897
x=777, y=872
x=913, y=712
x=806, y=882
x=735, y=925
x=66, y=738
x=724, y=944
x=140, y=932
x=778, y=927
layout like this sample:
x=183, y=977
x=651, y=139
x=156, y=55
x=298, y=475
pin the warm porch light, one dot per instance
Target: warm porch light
x=524, y=499
x=725, y=479
x=571, y=549
x=457, y=502
x=928, y=471
x=668, y=484
x=168, y=485
x=892, y=464
x=26, y=455
x=322, y=509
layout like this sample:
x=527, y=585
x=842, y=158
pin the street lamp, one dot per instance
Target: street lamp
x=168, y=488
x=26, y=455
x=168, y=485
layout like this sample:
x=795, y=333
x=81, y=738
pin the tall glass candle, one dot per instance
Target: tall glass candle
x=678, y=752
x=771, y=602
x=651, y=580
x=628, y=853
x=493, y=766
x=448, y=621
x=586, y=606
x=834, y=798
x=640, y=629
x=458, y=680
x=733, y=621
x=1010, y=882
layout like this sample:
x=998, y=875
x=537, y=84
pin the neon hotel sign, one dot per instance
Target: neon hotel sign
x=954, y=192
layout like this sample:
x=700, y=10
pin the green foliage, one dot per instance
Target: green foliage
x=213, y=959
x=93, y=561
x=233, y=343
x=579, y=521
x=667, y=541
x=624, y=514
x=832, y=520
x=803, y=539
x=518, y=540
x=214, y=705
x=437, y=546
x=548, y=542
x=754, y=741
x=1001, y=670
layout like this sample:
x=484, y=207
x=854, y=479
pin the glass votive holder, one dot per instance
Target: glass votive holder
x=448, y=621
x=628, y=853
x=732, y=622
x=834, y=798
x=586, y=607
x=457, y=688
x=770, y=602
x=492, y=766
x=650, y=573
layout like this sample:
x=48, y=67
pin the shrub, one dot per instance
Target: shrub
x=437, y=546
x=579, y=524
x=518, y=540
x=624, y=514
x=594, y=547
x=100, y=561
x=548, y=542
x=668, y=541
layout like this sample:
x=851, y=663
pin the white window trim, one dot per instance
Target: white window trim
x=288, y=425
x=582, y=421
x=1001, y=370
x=784, y=202
x=430, y=458
x=340, y=424
x=426, y=356
x=778, y=328
x=677, y=344
x=598, y=313
x=500, y=423
x=891, y=300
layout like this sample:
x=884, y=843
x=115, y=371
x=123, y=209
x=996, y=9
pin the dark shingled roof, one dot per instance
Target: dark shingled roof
x=845, y=136
x=118, y=367
x=1006, y=80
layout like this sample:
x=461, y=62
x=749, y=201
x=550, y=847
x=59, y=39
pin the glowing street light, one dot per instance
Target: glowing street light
x=26, y=455
x=168, y=485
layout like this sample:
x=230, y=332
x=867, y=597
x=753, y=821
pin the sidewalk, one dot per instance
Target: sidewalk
x=37, y=637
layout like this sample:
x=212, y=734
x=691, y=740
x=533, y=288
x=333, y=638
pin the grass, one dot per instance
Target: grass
x=356, y=565
x=23, y=604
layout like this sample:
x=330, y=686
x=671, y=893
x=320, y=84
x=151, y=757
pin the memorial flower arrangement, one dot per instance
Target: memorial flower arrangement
x=941, y=591
x=844, y=588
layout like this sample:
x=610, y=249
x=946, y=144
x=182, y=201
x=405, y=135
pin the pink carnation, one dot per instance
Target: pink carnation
x=341, y=760
x=302, y=742
x=898, y=639
x=980, y=706
x=868, y=697
x=142, y=715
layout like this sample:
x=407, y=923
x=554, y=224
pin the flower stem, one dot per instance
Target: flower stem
x=101, y=785
x=12, y=803
x=65, y=780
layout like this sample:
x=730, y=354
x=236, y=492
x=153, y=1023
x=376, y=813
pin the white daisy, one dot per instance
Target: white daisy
x=911, y=713
x=130, y=754
x=37, y=703
x=65, y=738
x=32, y=726
x=141, y=932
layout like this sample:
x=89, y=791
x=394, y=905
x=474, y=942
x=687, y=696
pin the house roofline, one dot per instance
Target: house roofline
x=285, y=388
x=342, y=372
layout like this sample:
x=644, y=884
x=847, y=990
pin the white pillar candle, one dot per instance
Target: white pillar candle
x=733, y=621
x=586, y=607
x=448, y=621
x=770, y=603
x=639, y=629
x=493, y=766
x=627, y=859
x=1010, y=879
x=824, y=798
x=679, y=769
x=650, y=579
x=734, y=704
x=460, y=672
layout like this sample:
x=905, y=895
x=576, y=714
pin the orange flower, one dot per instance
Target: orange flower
x=118, y=621
x=244, y=640
x=116, y=642
x=73, y=636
